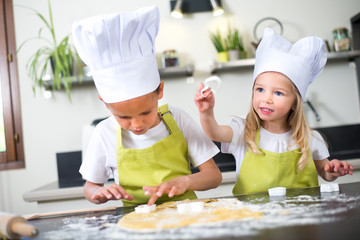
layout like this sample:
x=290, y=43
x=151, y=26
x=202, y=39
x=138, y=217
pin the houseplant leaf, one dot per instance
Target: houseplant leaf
x=62, y=56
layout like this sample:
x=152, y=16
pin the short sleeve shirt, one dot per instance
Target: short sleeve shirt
x=100, y=163
x=269, y=141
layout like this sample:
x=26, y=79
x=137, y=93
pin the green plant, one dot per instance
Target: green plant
x=218, y=41
x=61, y=55
x=234, y=40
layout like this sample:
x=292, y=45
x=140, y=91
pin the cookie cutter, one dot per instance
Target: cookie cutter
x=213, y=83
x=190, y=207
x=277, y=191
x=145, y=208
x=329, y=187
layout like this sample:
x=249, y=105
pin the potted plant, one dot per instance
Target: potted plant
x=235, y=44
x=61, y=55
x=220, y=46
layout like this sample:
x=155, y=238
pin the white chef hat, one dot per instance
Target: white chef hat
x=119, y=50
x=301, y=62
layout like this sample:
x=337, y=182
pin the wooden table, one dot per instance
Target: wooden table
x=312, y=215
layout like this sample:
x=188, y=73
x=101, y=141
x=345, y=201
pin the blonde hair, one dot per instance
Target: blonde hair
x=297, y=123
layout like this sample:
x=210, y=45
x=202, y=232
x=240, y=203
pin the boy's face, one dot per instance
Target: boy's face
x=139, y=114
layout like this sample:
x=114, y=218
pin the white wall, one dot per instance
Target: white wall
x=51, y=126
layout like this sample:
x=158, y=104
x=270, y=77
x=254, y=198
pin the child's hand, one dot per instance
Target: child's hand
x=338, y=168
x=172, y=187
x=111, y=192
x=204, y=103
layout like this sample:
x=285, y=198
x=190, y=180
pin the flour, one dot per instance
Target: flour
x=290, y=211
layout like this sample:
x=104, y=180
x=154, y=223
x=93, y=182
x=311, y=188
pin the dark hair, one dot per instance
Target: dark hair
x=157, y=90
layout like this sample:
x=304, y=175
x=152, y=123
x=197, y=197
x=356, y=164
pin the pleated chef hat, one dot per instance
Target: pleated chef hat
x=302, y=61
x=119, y=50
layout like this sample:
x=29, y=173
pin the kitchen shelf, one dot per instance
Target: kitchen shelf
x=168, y=72
x=187, y=70
x=250, y=62
x=75, y=81
x=233, y=65
x=350, y=56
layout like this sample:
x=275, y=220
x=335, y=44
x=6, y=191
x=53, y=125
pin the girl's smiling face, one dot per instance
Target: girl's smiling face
x=139, y=114
x=273, y=98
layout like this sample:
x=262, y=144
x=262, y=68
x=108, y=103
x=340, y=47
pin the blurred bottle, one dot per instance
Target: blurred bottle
x=341, y=39
x=169, y=58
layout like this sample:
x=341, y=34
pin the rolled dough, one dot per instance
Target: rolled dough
x=167, y=216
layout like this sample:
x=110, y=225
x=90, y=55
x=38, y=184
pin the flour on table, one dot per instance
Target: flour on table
x=291, y=211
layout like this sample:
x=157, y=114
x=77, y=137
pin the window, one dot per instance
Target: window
x=11, y=141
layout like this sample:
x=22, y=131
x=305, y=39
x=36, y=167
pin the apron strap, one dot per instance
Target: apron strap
x=165, y=114
x=257, y=139
x=168, y=119
x=118, y=136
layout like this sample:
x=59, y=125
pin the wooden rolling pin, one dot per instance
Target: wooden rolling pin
x=68, y=212
x=15, y=227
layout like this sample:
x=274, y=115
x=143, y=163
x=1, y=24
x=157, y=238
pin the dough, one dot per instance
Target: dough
x=167, y=216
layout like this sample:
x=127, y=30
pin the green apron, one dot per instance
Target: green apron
x=259, y=172
x=163, y=161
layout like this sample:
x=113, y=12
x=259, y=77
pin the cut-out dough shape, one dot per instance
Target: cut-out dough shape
x=329, y=187
x=277, y=191
x=145, y=208
x=190, y=207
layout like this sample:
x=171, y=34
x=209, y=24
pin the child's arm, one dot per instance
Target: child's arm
x=330, y=170
x=208, y=177
x=213, y=130
x=97, y=193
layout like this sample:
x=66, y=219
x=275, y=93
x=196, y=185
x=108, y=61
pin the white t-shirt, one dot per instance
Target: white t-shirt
x=272, y=142
x=100, y=159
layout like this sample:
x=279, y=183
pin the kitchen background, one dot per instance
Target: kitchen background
x=55, y=125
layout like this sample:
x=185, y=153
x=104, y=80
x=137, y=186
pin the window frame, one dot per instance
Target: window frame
x=13, y=158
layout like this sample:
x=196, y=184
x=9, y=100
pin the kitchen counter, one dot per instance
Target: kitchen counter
x=307, y=214
x=52, y=197
x=52, y=192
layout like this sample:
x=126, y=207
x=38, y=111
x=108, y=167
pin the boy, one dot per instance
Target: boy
x=145, y=147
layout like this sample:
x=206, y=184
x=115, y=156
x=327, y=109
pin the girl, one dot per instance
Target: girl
x=274, y=146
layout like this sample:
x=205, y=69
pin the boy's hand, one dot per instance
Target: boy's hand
x=338, y=168
x=172, y=187
x=111, y=192
x=204, y=103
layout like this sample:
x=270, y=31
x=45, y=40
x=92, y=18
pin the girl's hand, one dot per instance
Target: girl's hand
x=172, y=187
x=204, y=103
x=338, y=168
x=111, y=192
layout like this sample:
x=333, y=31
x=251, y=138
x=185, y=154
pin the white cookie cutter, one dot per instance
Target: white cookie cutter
x=277, y=191
x=145, y=208
x=213, y=83
x=329, y=187
x=190, y=207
